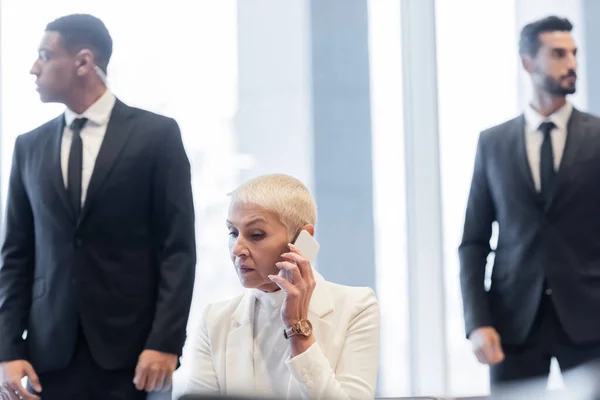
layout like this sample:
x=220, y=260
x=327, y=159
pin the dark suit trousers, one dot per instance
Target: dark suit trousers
x=84, y=379
x=531, y=359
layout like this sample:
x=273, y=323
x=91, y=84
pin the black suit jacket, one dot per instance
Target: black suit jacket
x=125, y=268
x=556, y=238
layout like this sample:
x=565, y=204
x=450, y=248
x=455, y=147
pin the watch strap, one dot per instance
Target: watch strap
x=290, y=331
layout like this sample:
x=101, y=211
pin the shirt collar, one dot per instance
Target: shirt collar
x=269, y=299
x=560, y=117
x=98, y=113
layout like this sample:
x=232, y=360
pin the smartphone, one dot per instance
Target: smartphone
x=307, y=245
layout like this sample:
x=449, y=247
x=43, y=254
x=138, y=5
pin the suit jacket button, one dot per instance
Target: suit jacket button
x=78, y=242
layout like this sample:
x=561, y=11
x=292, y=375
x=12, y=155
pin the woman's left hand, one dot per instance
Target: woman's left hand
x=298, y=286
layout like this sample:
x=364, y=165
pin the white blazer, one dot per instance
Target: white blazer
x=343, y=363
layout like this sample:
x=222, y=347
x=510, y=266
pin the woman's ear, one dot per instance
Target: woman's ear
x=309, y=228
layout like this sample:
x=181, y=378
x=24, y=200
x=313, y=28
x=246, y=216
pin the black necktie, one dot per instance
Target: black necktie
x=547, y=171
x=75, y=165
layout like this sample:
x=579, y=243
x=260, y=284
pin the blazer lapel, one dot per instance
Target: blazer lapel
x=518, y=134
x=56, y=173
x=118, y=132
x=319, y=308
x=240, y=346
x=577, y=132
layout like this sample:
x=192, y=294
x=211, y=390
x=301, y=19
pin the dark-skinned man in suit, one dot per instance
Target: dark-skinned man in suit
x=99, y=252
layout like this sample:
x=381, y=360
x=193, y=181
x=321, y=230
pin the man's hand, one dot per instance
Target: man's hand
x=486, y=345
x=154, y=371
x=11, y=374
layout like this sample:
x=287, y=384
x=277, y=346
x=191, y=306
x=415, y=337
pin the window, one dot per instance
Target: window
x=477, y=83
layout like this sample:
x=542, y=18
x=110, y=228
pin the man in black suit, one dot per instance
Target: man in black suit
x=538, y=177
x=99, y=256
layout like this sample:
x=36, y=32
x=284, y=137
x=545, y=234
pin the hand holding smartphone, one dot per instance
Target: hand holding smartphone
x=307, y=245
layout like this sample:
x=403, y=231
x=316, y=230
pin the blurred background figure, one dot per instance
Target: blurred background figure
x=536, y=176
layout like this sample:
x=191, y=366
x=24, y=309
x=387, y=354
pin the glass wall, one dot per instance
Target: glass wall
x=477, y=88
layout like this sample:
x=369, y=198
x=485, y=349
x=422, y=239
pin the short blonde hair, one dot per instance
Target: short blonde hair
x=282, y=194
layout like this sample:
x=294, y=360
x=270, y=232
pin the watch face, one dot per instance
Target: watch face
x=305, y=327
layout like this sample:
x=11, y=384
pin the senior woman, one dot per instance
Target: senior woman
x=331, y=346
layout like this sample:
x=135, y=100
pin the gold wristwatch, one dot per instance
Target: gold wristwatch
x=302, y=328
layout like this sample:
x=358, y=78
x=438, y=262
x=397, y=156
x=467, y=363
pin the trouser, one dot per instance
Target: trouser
x=84, y=379
x=528, y=364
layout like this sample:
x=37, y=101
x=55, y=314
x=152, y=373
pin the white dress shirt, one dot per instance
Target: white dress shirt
x=92, y=135
x=534, y=138
x=270, y=346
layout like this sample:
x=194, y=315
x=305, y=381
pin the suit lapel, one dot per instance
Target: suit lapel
x=118, y=132
x=56, y=173
x=577, y=132
x=240, y=347
x=518, y=135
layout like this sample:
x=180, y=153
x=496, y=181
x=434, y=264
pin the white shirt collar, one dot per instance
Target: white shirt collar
x=98, y=113
x=269, y=300
x=560, y=117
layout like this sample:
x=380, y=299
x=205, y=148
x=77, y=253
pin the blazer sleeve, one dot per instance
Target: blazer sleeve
x=174, y=231
x=17, y=269
x=201, y=375
x=355, y=375
x=475, y=245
